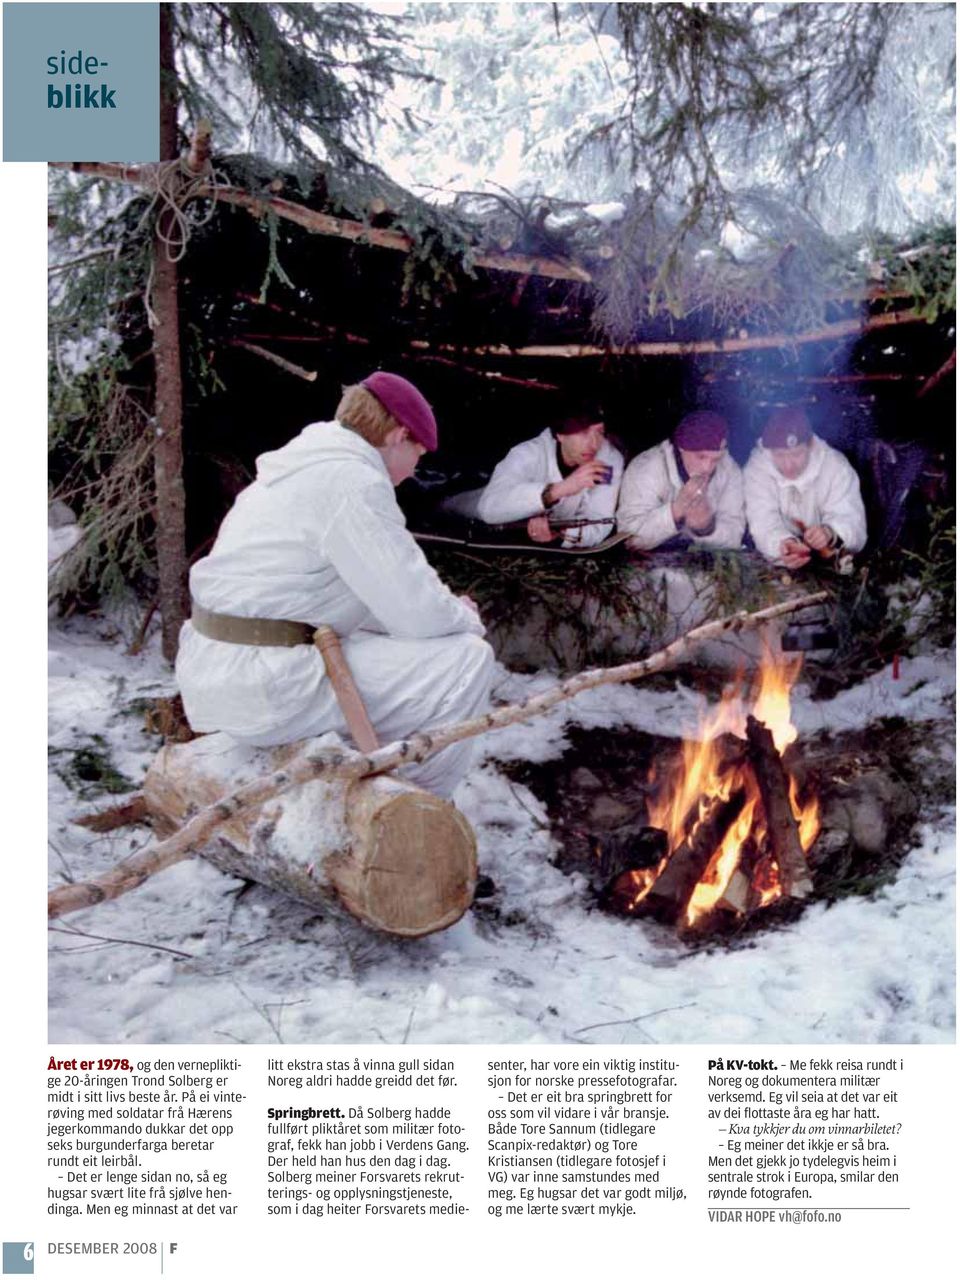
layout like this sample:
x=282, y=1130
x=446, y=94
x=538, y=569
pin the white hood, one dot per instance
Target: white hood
x=810, y=476
x=324, y=442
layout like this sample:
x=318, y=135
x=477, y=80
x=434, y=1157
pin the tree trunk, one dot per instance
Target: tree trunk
x=168, y=446
x=400, y=859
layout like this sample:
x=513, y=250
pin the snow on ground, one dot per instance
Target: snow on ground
x=189, y=958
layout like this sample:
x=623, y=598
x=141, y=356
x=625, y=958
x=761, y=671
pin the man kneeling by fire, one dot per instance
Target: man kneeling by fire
x=318, y=539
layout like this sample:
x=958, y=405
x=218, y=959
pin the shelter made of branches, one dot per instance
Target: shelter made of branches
x=503, y=309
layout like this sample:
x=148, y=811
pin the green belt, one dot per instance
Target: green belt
x=265, y=631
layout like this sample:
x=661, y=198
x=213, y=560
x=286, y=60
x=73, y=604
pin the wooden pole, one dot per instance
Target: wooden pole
x=724, y=346
x=326, y=224
x=948, y=366
x=422, y=745
x=298, y=371
x=348, y=695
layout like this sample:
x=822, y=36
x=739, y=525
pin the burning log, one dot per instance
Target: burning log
x=774, y=787
x=731, y=752
x=741, y=893
x=629, y=849
x=667, y=899
x=621, y=852
x=730, y=755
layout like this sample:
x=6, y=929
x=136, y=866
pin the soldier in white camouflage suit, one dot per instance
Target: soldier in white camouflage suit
x=318, y=538
x=685, y=491
x=802, y=495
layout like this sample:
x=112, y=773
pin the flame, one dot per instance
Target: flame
x=807, y=816
x=771, y=704
x=698, y=777
x=704, y=774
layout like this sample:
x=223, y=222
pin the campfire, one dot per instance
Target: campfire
x=728, y=829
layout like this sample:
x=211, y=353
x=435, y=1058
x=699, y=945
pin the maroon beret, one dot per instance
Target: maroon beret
x=786, y=428
x=702, y=430
x=402, y=399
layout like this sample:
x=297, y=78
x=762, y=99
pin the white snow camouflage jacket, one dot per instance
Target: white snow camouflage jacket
x=515, y=491
x=827, y=492
x=650, y=484
x=317, y=538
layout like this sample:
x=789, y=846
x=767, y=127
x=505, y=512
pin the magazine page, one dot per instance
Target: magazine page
x=499, y=639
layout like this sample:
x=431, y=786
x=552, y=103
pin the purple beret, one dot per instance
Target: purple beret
x=572, y=411
x=702, y=430
x=577, y=419
x=786, y=428
x=402, y=399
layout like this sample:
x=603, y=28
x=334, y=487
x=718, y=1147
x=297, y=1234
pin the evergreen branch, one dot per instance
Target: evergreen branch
x=260, y=204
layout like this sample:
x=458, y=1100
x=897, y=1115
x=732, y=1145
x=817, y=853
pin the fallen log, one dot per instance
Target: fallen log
x=774, y=787
x=337, y=768
x=394, y=856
